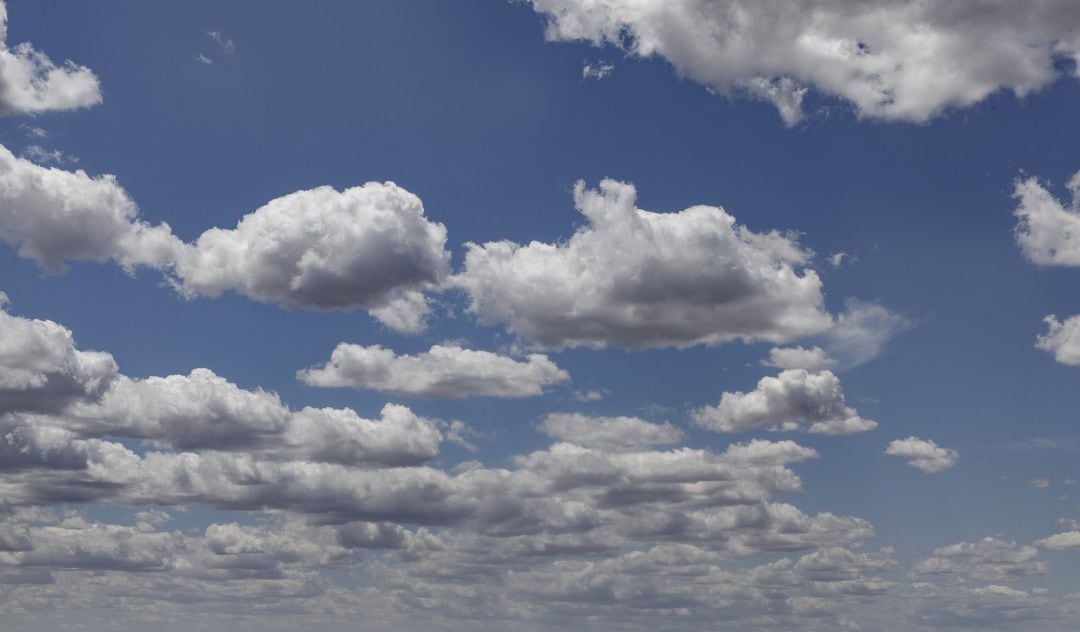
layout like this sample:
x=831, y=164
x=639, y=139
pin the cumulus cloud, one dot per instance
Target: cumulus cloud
x=635, y=278
x=41, y=370
x=1065, y=541
x=989, y=559
x=445, y=371
x=794, y=399
x=897, y=61
x=31, y=83
x=365, y=247
x=1048, y=232
x=609, y=433
x=923, y=454
x=52, y=216
x=1061, y=339
x=811, y=359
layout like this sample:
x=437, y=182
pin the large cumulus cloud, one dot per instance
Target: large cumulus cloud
x=635, y=278
x=900, y=60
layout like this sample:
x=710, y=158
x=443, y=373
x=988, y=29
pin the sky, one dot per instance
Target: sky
x=531, y=315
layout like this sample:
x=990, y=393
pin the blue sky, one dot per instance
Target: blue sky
x=482, y=111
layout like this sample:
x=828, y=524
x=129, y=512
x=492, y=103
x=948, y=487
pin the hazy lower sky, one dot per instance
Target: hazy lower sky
x=539, y=315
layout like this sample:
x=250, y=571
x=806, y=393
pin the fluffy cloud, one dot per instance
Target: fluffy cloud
x=52, y=216
x=811, y=359
x=31, y=83
x=635, y=278
x=322, y=248
x=891, y=60
x=989, y=559
x=923, y=454
x=609, y=433
x=369, y=246
x=1061, y=339
x=1048, y=232
x=793, y=399
x=40, y=368
x=445, y=371
x=1064, y=541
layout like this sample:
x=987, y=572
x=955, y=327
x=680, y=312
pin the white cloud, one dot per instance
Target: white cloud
x=598, y=70
x=609, y=433
x=445, y=371
x=369, y=246
x=226, y=44
x=794, y=399
x=638, y=279
x=31, y=83
x=923, y=454
x=812, y=359
x=989, y=559
x=41, y=370
x=1039, y=483
x=892, y=60
x=1066, y=541
x=1048, y=232
x=1061, y=339
x=40, y=154
x=862, y=331
x=321, y=248
x=52, y=216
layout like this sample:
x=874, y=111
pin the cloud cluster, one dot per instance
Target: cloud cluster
x=893, y=60
x=794, y=399
x=31, y=83
x=637, y=279
x=365, y=247
x=445, y=371
x=923, y=454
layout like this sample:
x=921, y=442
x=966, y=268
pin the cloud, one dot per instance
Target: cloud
x=226, y=44
x=52, y=216
x=638, y=279
x=365, y=247
x=1048, y=233
x=30, y=83
x=1061, y=339
x=609, y=433
x=794, y=399
x=812, y=359
x=890, y=60
x=923, y=454
x=598, y=70
x=989, y=559
x=321, y=248
x=862, y=331
x=41, y=370
x=1066, y=541
x=445, y=371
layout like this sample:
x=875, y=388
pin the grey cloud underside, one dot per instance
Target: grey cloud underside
x=897, y=60
x=365, y=247
x=638, y=279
